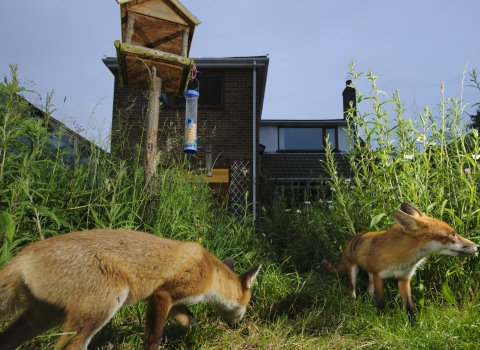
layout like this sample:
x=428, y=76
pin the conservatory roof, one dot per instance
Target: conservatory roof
x=302, y=166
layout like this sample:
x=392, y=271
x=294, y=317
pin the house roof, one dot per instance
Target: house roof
x=301, y=166
x=303, y=122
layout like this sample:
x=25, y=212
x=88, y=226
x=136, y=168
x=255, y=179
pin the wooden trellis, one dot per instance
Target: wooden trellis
x=239, y=186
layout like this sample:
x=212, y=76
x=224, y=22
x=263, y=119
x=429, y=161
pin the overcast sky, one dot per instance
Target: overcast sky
x=414, y=44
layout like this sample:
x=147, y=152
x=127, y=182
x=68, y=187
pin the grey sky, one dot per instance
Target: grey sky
x=414, y=45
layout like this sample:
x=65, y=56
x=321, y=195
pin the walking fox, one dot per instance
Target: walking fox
x=398, y=252
x=83, y=278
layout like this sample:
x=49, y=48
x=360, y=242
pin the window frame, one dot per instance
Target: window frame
x=322, y=150
x=171, y=97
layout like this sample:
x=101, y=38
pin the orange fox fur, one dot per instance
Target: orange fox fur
x=83, y=278
x=398, y=252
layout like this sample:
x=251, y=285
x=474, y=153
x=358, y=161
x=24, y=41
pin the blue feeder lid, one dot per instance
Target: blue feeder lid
x=191, y=93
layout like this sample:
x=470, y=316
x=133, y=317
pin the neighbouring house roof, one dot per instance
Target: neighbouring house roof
x=39, y=113
x=301, y=167
x=304, y=122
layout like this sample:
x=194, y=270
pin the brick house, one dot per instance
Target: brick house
x=232, y=91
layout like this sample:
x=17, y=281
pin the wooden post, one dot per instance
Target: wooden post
x=130, y=30
x=184, y=43
x=150, y=160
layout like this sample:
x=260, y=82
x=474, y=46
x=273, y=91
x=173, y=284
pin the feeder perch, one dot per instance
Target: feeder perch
x=191, y=97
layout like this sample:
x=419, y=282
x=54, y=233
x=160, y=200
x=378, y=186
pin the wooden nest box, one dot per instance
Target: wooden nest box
x=155, y=33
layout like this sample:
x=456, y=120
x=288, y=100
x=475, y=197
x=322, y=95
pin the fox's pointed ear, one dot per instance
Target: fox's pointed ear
x=250, y=276
x=411, y=210
x=229, y=263
x=409, y=223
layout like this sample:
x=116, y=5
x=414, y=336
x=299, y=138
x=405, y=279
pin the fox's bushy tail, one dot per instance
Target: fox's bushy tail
x=10, y=284
x=335, y=269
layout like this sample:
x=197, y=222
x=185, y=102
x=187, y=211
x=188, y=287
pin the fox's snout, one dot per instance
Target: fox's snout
x=232, y=316
x=234, y=323
x=462, y=247
x=466, y=250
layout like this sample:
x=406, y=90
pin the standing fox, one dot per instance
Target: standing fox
x=83, y=278
x=398, y=252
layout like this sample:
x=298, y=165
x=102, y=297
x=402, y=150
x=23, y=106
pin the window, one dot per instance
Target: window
x=300, y=139
x=210, y=86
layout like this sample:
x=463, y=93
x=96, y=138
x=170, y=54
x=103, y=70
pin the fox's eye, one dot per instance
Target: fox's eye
x=452, y=234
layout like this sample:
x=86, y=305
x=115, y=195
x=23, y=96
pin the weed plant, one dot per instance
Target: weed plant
x=295, y=305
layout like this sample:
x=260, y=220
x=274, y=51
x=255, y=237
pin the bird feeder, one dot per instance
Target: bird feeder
x=191, y=97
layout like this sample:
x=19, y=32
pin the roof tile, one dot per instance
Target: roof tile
x=301, y=165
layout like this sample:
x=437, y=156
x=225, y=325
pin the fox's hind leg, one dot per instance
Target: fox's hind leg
x=83, y=321
x=80, y=328
x=36, y=319
x=352, y=278
x=182, y=315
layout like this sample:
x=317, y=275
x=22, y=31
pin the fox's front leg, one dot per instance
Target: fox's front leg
x=378, y=292
x=182, y=315
x=406, y=294
x=158, y=308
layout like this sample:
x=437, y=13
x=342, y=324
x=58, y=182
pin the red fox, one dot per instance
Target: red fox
x=398, y=252
x=83, y=278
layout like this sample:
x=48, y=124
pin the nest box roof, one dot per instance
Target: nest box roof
x=159, y=24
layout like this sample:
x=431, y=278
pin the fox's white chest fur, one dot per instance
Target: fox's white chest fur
x=406, y=271
x=227, y=308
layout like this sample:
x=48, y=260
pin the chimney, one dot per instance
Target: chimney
x=349, y=96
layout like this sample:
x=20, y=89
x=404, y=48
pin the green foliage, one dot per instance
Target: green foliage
x=475, y=118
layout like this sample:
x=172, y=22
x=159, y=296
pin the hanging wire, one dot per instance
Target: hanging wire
x=194, y=71
x=190, y=86
x=193, y=76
